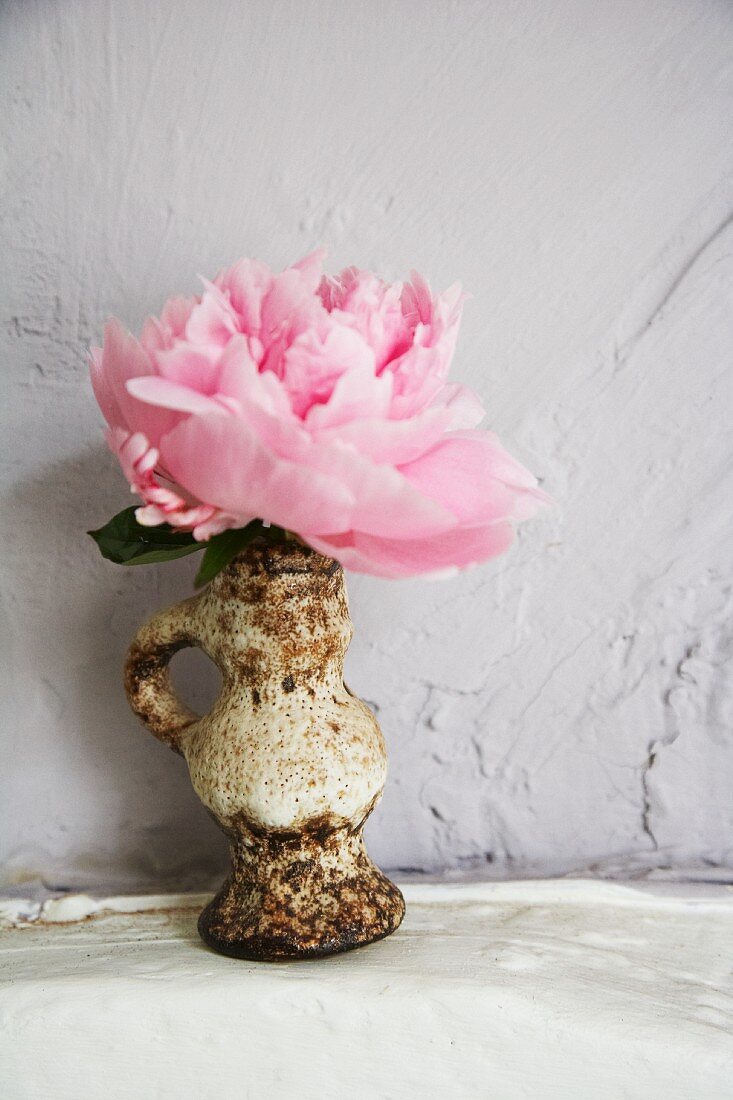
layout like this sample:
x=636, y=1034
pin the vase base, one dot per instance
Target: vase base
x=300, y=898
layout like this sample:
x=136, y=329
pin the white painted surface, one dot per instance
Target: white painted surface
x=571, y=163
x=564, y=990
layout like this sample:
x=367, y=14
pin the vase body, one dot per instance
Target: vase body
x=288, y=762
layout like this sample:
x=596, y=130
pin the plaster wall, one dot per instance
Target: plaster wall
x=569, y=161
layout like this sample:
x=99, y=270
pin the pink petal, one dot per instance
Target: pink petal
x=290, y=299
x=370, y=306
x=504, y=465
x=220, y=461
x=385, y=503
x=172, y=395
x=464, y=406
x=357, y=393
x=240, y=379
x=103, y=391
x=456, y=549
x=190, y=365
x=417, y=300
x=153, y=336
x=418, y=379
x=382, y=501
x=390, y=442
x=312, y=364
x=175, y=314
x=464, y=472
x=212, y=322
x=311, y=267
x=246, y=283
x=122, y=359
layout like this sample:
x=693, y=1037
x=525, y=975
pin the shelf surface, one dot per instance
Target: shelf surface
x=567, y=989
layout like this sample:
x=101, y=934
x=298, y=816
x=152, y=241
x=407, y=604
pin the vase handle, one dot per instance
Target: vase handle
x=147, y=677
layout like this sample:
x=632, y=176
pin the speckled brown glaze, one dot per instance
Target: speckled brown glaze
x=289, y=762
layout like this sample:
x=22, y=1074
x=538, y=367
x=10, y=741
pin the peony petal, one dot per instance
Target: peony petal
x=357, y=393
x=390, y=442
x=190, y=365
x=417, y=300
x=240, y=379
x=103, y=391
x=381, y=500
x=246, y=284
x=175, y=314
x=153, y=336
x=212, y=323
x=464, y=473
x=418, y=379
x=456, y=549
x=311, y=268
x=504, y=465
x=172, y=395
x=221, y=462
x=464, y=405
x=290, y=302
x=313, y=364
x=122, y=359
x=371, y=307
x=385, y=503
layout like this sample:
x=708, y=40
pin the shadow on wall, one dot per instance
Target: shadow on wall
x=117, y=806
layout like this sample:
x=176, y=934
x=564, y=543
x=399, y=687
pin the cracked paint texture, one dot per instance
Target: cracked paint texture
x=569, y=706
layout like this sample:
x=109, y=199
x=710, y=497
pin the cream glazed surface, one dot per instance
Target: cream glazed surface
x=288, y=761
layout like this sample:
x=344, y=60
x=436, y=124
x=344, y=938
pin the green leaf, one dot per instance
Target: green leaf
x=126, y=542
x=222, y=548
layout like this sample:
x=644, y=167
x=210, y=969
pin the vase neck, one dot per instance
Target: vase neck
x=283, y=617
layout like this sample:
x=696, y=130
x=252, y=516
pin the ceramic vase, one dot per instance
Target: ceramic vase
x=289, y=762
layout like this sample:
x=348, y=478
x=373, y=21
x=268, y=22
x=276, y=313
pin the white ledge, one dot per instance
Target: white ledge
x=557, y=989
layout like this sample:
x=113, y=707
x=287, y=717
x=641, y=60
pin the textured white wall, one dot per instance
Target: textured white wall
x=571, y=162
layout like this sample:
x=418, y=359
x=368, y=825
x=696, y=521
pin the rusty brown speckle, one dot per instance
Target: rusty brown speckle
x=300, y=896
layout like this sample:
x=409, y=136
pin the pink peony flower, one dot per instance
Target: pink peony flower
x=316, y=403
